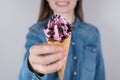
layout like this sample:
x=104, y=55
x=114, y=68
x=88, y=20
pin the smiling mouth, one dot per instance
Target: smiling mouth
x=62, y=3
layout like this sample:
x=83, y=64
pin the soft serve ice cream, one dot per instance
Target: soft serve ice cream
x=57, y=29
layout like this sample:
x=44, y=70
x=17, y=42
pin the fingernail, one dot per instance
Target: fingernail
x=59, y=48
x=63, y=59
x=65, y=53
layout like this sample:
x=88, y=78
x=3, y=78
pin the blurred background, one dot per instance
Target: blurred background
x=16, y=16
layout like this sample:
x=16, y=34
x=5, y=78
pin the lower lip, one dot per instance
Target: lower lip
x=62, y=4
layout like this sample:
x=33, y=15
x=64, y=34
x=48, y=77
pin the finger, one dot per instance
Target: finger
x=45, y=48
x=51, y=58
x=54, y=67
x=44, y=69
x=47, y=59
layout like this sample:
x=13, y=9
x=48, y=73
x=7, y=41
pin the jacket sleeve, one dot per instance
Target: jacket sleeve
x=25, y=72
x=100, y=70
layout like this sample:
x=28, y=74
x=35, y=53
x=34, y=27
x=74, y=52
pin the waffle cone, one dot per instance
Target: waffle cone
x=65, y=44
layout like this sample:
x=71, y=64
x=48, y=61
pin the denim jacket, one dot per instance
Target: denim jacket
x=85, y=60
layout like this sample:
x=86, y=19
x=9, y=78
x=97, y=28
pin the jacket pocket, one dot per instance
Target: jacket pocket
x=90, y=58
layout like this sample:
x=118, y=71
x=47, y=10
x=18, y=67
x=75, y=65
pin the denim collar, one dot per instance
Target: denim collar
x=77, y=22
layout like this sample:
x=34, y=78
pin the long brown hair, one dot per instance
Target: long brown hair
x=46, y=11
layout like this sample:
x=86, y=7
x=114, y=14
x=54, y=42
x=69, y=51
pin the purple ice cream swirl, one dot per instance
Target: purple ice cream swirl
x=57, y=28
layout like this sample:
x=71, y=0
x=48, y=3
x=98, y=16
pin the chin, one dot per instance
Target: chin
x=62, y=11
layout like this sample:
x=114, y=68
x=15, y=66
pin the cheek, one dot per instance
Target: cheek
x=51, y=4
x=73, y=5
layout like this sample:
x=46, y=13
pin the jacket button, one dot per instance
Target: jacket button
x=75, y=73
x=94, y=50
x=74, y=57
x=73, y=43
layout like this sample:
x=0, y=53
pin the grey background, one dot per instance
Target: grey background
x=17, y=15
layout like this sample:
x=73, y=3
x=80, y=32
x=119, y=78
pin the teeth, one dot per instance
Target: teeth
x=62, y=3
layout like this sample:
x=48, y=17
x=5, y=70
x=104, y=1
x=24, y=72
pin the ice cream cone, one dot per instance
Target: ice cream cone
x=58, y=33
x=65, y=44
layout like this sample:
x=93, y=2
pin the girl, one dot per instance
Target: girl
x=84, y=62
